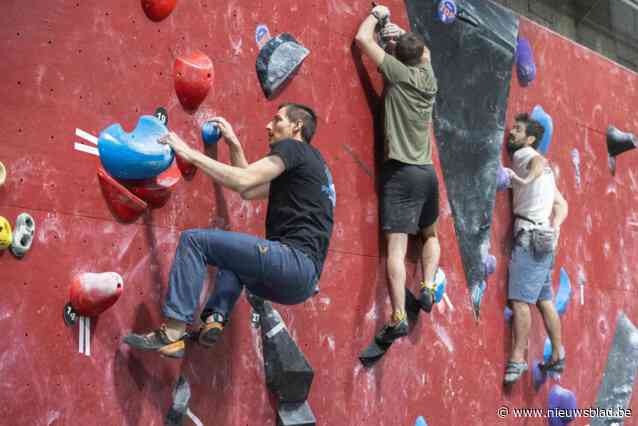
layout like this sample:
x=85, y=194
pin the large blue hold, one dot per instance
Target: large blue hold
x=135, y=155
x=546, y=121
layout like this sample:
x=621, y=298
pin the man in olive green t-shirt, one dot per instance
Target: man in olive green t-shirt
x=410, y=199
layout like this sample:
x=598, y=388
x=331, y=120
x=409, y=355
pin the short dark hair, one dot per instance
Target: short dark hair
x=298, y=112
x=409, y=48
x=532, y=128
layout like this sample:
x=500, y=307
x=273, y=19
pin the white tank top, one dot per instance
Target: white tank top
x=535, y=200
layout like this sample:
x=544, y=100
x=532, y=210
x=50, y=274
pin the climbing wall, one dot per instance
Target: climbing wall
x=87, y=64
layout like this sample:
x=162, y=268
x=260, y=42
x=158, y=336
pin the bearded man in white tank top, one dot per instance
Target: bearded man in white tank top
x=539, y=210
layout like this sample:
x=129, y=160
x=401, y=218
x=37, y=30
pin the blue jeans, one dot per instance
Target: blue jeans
x=268, y=269
x=530, y=273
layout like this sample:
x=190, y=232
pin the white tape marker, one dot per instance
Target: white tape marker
x=85, y=148
x=86, y=136
x=193, y=417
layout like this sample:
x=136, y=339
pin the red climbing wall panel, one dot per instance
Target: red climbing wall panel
x=87, y=64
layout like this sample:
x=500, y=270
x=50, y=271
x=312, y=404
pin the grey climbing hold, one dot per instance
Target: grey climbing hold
x=23, y=235
x=620, y=374
x=295, y=414
x=278, y=59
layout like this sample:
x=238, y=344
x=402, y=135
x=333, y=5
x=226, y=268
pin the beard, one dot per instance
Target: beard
x=512, y=146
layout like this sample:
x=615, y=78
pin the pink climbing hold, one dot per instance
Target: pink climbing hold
x=194, y=76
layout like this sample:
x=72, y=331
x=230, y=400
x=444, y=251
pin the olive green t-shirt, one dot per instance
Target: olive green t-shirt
x=410, y=93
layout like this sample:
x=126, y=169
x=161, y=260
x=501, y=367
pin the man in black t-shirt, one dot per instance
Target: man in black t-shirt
x=286, y=266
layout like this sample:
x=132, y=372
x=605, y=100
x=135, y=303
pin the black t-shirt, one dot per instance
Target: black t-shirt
x=301, y=201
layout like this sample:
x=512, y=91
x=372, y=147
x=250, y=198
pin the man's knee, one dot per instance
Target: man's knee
x=189, y=237
x=519, y=307
x=429, y=232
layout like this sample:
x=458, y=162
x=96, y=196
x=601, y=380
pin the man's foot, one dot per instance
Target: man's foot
x=212, y=329
x=158, y=341
x=426, y=296
x=514, y=371
x=556, y=366
x=396, y=328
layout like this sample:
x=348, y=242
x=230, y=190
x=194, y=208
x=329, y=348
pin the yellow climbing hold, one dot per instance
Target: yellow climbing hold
x=5, y=233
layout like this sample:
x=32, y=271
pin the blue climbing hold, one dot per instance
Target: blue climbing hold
x=446, y=11
x=135, y=155
x=440, y=281
x=420, y=421
x=476, y=298
x=561, y=399
x=211, y=133
x=547, y=350
x=525, y=66
x=546, y=121
x=564, y=294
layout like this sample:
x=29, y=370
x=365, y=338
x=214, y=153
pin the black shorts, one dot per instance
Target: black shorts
x=410, y=199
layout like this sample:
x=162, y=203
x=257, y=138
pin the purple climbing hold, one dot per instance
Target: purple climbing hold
x=562, y=402
x=507, y=314
x=446, y=11
x=490, y=265
x=503, y=180
x=525, y=65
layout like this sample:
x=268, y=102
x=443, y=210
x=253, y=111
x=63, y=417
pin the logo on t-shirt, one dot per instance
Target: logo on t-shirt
x=330, y=188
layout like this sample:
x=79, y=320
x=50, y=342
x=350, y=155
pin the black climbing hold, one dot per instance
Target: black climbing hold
x=288, y=373
x=295, y=414
x=278, y=60
x=619, y=141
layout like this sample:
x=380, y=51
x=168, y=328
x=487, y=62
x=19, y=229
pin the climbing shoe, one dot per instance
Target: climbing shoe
x=514, y=371
x=396, y=328
x=212, y=329
x=426, y=296
x=157, y=341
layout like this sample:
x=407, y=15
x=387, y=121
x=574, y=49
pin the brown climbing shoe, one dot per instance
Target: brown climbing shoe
x=157, y=341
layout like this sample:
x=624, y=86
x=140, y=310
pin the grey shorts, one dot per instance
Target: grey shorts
x=530, y=274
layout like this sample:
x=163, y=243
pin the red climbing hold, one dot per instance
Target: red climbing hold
x=125, y=205
x=156, y=191
x=187, y=169
x=156, y=10
x=194, y=76
x=91, y=294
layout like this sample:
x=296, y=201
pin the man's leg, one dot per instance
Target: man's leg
x=398, y=324
x=397, y=249
x=242, y=254
x=551, y=320
x=430, y=255
x=521, y=324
